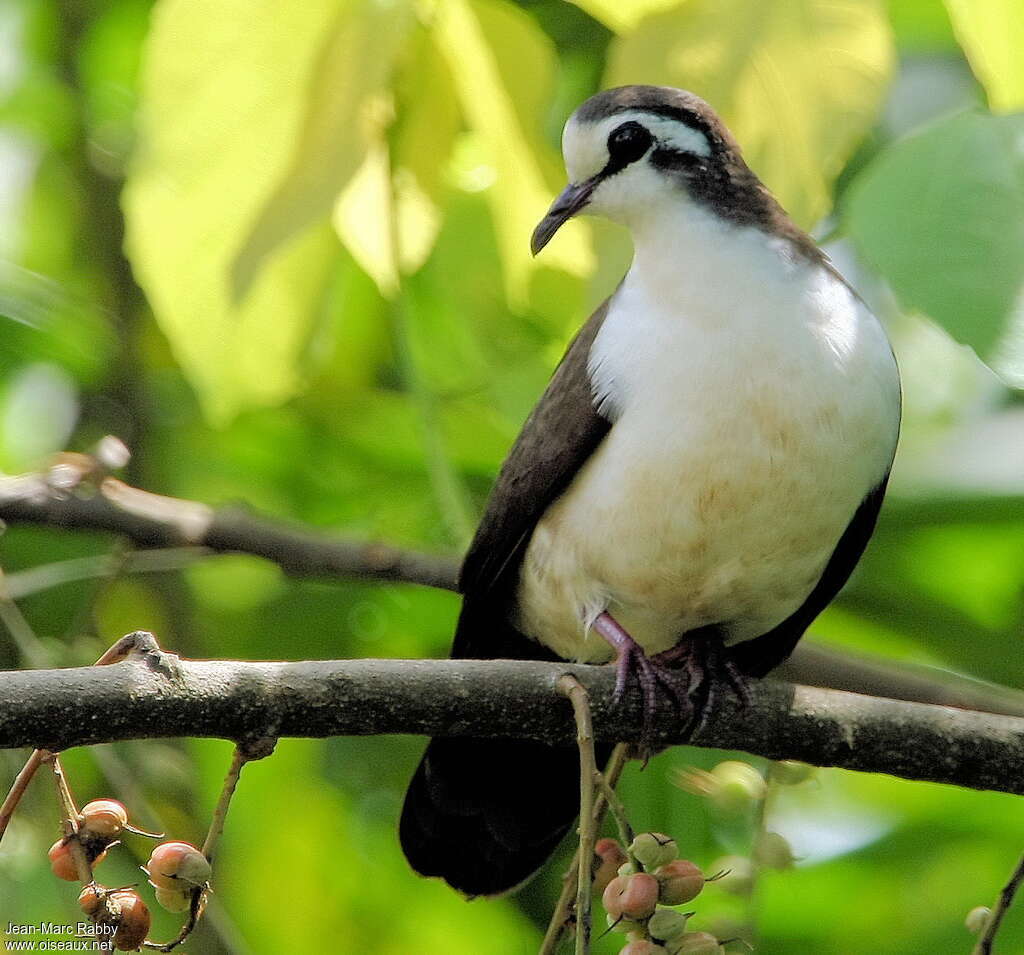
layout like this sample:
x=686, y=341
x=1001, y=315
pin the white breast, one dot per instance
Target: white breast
x=755, y=403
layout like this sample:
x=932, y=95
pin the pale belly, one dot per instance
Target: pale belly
x=727, y=517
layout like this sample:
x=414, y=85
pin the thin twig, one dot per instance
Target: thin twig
x=570, y=687
x=243, y=754
x=618, y=811
x=1002, y=906
x=19, y=786
x=24, y=583
x=564, y=906
x=153, y=520
x=30, y=647
x=69, y=821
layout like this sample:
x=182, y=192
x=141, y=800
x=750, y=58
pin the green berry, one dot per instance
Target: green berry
x=977, y=919
x=736, y=787
x=667, y=924
x=654, y=848
x=695, y=943
x=774, y=852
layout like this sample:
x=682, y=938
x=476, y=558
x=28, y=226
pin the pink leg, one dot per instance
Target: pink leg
x=630, y=660
x=691, y=673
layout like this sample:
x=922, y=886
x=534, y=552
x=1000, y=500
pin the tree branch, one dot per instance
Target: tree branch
x=153, y=520
x=156, y=694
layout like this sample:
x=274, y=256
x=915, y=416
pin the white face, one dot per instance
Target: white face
x=638, y=186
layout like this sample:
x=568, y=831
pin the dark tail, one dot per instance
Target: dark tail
x=485, y=815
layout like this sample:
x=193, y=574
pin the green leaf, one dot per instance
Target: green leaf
x=225, y=97
x=403, y=172
x=619, y=16
x=941, y=216
x=502, y=66
x=992, y=35
x=921, y=26
x=798, y=82
x=348, y=105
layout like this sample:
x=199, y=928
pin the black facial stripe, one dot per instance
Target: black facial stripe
x=684, y=116
x=665, y=157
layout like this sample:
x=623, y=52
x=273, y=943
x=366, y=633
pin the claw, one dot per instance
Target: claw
x=691, y=673
x=650, y=674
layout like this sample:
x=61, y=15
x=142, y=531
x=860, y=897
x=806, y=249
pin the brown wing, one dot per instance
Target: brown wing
x=470, y=815
x=561, y=432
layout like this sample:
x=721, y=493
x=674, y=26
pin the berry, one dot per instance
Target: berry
x=174, y=865
x=679, y=881
x=174, y=900
x=133, y=922
x=104, y=818
x=773, y=852
x=61, y=862
x=611, y=856
x=735, y=787
x=654, y=848
x=977, y=919
x=667, y=924
x=696, y=943
x=643, y=947
x=640, y=897
x=622, y=925
x=633, y=896
x=90, y=899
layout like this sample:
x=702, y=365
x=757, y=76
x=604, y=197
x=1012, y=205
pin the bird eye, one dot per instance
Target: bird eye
x=627, y=143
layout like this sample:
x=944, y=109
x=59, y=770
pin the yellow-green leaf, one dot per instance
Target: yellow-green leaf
x=797, y=81
x=347, y=106
x=622, y=15
x=502, y=66
x=992, y=35
x=225, y=89
x=404, y=170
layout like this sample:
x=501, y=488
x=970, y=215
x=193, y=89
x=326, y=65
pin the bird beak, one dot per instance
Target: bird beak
x=570, y=201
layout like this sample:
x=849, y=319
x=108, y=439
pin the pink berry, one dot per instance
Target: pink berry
x=133, y=923
x=679, y=881
x=611, y=856
x=176, y=865
x=640, y=897
x=104, y=818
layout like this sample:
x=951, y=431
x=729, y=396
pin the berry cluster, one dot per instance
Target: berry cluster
x=178, y=872
x=637, y=887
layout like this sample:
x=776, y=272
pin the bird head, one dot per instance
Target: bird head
x=634, y=149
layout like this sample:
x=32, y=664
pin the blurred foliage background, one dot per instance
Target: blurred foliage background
x=282, y=252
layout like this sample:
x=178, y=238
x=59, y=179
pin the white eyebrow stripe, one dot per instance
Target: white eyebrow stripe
x=670, y=133
x=584, y=144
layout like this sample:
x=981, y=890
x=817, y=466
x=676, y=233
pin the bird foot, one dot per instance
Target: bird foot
x=691, y=674
x=632, y=663
x=709, y=667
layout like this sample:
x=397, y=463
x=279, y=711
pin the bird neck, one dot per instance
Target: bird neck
x=683, y=243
